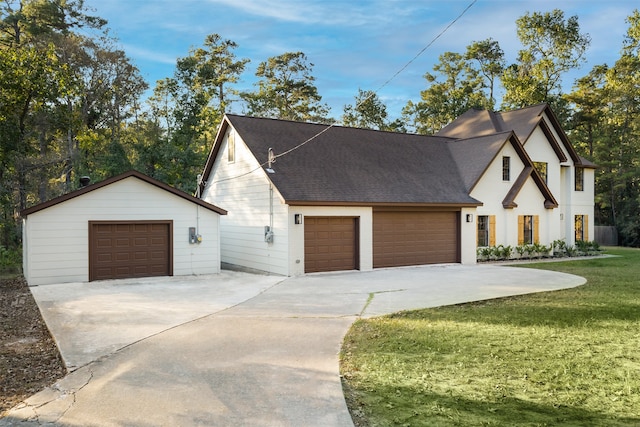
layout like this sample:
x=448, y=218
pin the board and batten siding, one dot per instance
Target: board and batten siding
x=56, y=239
x=242, y=187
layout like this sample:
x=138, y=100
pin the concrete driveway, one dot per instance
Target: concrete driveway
x=233, y=349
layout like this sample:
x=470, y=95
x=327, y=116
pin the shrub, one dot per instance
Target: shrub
x=10, y=260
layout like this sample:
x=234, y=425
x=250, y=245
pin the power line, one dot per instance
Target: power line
x=363, y=101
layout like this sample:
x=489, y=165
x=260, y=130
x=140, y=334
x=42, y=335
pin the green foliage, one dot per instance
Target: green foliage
x=286, y=90
x=606, y=123
x=554, y=358
x=552, y=47
x=490, y=57
x=369, y=112
x=557, y=249
x=455, y=88
x=10, y=260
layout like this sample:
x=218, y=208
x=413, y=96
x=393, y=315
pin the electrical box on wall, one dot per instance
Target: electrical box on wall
x=193, y=236
x=268, y=234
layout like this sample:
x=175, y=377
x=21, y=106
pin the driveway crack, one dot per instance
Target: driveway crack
x=372, y=296
x=62, y=394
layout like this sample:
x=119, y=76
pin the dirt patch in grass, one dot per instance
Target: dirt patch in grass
x=29, y=358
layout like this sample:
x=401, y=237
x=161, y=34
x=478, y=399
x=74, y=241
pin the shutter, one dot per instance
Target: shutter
x=585, y=228
x=520, y=229
x=492, y=230
x=536, y=229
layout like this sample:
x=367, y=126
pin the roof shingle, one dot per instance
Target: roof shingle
x=355, y=166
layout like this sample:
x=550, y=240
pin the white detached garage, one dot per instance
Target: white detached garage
x=127, y=226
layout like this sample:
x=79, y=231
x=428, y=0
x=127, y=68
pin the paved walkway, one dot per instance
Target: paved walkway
x=232, y=349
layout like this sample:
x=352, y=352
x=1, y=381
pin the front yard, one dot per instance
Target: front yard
x=567, y=358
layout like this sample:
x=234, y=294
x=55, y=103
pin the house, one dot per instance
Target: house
x=127, y=226
x=307, y=197
x=533, y=185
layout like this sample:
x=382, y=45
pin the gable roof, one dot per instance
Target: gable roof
x=474, y=155
x=522, y=122
x=129, y=174
x=351, y=166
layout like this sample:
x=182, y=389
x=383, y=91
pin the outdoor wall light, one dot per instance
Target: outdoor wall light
x=469, y=217
x=297, y=218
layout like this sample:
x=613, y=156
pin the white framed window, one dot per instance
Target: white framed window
x=506, y=168
x=231, y=148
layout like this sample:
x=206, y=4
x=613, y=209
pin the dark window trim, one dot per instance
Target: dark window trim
x=527, y=232
x=506, y=168
x=483, y=230
x=579, y=179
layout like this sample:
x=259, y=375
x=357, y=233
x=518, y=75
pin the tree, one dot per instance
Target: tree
x=369, y=112
x=217, y=67
x=552, y=46
x=455, y=88
x=58, y=89
x=186, y=111
x=286, y=90
x=608, y=117
x=490, y=58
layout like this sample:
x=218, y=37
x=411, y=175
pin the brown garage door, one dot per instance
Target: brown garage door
x=415, y=238
x=119, y=250
x=330, y=244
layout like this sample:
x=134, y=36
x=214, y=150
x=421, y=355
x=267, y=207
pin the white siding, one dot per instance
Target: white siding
x=56, y=239
x=468, y=231
x=581, y=203
x=540, y=150
x=244, y=190
x=491, y=190
x=555, y=223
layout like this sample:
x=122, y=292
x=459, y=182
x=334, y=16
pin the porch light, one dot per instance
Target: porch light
x=469, y=217
x=297, y=218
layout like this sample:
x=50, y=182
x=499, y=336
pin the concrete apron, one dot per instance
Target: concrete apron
x=270, y=360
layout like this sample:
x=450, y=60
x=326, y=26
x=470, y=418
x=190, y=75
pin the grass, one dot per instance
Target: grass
x=568, y=358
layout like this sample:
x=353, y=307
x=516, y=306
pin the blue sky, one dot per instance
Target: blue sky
x=352, y=44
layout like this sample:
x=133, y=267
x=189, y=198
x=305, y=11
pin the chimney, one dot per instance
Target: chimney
x=84, y=181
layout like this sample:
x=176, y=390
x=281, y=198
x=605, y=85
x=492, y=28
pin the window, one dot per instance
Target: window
x=483, y=230
x=528, y=229
x=231, y=148
x=541, y=167
x=579, y=181
x=581, y=228
x=486, y=230
x=506, y=168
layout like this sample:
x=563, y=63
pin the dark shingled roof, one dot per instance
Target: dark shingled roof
x=473, y=155
x=522, y=122
x=475, y=123
x=342, y=165
x=354, y=166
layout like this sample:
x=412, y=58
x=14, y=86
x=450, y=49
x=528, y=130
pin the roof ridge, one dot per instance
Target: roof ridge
x=494, y=120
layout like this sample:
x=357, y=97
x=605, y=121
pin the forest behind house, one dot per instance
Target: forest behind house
x=73, y=104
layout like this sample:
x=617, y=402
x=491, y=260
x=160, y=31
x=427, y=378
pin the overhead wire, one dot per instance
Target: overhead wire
x=371, y=94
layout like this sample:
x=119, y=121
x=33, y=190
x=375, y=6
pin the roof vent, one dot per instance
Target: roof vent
x=84, y=181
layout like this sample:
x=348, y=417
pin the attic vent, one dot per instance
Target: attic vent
x=84, y=181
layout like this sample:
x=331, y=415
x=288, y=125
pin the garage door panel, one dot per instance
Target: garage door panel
x=330, y=244
x=123, y=250
x=415, y=238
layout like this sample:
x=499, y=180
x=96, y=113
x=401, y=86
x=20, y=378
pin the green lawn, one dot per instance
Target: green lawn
x=564, y=358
